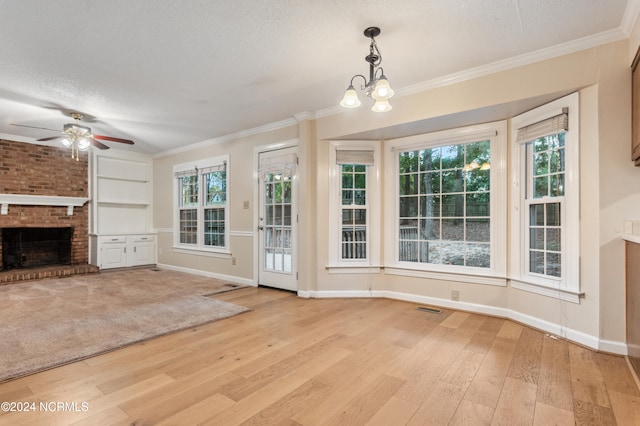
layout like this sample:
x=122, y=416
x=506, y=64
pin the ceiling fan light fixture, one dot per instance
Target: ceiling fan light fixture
x=66, y=142
x=83, y=144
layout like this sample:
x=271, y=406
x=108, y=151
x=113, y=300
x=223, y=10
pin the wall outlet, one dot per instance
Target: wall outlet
x=245, y=205
x=233, y=260
x=455, y=295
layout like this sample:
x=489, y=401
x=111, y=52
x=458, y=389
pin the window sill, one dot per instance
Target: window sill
x=448, y=276
x=353, y=269
x=197, y=251
x=556, y=292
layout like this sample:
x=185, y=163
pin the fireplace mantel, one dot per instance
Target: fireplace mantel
x=40, y=200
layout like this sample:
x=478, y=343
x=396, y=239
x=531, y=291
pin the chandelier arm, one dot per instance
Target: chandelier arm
x=375, y=75
x=363, y=77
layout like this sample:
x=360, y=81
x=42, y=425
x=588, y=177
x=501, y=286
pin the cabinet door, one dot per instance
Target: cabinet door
x=114, y=255
x=143, y=253
x=635, y=110
x=633, y=304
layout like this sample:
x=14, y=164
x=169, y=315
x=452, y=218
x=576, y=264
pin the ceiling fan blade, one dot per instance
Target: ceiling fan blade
x=50, y=138
x=34, y=127
x=109, y=138
x=97, y=144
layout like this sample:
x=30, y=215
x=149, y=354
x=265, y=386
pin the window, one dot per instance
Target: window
x=354, y=211
x=188, y=208
x=202, y=205
x=444, y=205
x=544, y=198
x=545, y=233
x=447, y=208
x=354, y=222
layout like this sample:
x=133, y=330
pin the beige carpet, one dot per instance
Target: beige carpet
x=51, y=322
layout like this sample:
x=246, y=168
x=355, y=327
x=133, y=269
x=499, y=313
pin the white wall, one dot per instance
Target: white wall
x=610, y=193
x=610, y=190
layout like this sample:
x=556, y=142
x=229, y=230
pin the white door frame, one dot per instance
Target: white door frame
x=292, y=143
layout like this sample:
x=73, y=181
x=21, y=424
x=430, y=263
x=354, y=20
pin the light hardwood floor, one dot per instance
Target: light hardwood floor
x=293, y=361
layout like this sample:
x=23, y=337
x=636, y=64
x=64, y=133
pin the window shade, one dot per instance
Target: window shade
x=344, y=156
x=283, y=165
x=203, y=171
x=550, y=126
x=217, y=168
x=183, y=173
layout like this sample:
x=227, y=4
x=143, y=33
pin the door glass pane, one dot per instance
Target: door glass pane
x=277, y=224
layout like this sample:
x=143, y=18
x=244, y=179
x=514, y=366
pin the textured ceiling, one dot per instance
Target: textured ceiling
x=169, y=73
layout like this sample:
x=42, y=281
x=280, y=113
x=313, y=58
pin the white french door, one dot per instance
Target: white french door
x=277, y=221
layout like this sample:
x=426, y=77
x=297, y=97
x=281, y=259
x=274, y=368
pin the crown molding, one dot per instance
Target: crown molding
x=630, y=17
x=238, y=135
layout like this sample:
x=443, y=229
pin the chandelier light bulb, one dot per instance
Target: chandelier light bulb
x=350, y=99
x=382, y=90
x=66, y=142
x=381, y=106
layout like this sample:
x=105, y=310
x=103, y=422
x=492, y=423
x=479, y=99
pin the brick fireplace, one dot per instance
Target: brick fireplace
x=46, y=172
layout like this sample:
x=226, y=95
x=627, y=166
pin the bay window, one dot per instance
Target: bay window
x=545, y=233
x=354, y=240
x=448, y=208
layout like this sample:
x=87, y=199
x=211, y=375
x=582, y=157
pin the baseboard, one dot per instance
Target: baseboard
x=633, y=372
x=584, y=339
x=222, y=277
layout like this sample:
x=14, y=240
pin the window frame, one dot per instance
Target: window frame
x=567, y=287
x=371, y=263
x=495, y=274
x=200, y=169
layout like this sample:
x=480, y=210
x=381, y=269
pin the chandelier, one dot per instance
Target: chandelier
x=378, y=86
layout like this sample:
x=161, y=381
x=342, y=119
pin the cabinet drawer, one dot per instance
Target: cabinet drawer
x=112, y=240
x=143, y=238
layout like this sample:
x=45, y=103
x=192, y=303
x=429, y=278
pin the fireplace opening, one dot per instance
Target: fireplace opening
x=24, y=248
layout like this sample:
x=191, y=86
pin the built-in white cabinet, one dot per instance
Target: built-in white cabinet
x=120, y=251
x=121, y=210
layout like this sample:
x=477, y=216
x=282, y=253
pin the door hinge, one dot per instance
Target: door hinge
x=297, y=218
x=296, y=276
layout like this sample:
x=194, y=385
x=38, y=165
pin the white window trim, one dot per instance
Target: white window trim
x=568, y=287
x=200, y=247
x=372, y=263
x=496, y=132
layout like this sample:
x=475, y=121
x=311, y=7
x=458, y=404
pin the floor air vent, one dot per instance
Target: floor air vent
x=427, y=309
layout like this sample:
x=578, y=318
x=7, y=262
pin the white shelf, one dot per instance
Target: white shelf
x=124, y=179
x=122, y=203
x=122, y=191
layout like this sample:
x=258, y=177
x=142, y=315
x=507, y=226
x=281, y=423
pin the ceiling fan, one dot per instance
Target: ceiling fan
x=78, y=137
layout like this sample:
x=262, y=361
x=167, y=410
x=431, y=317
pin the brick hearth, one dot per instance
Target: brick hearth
x=17, y=275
